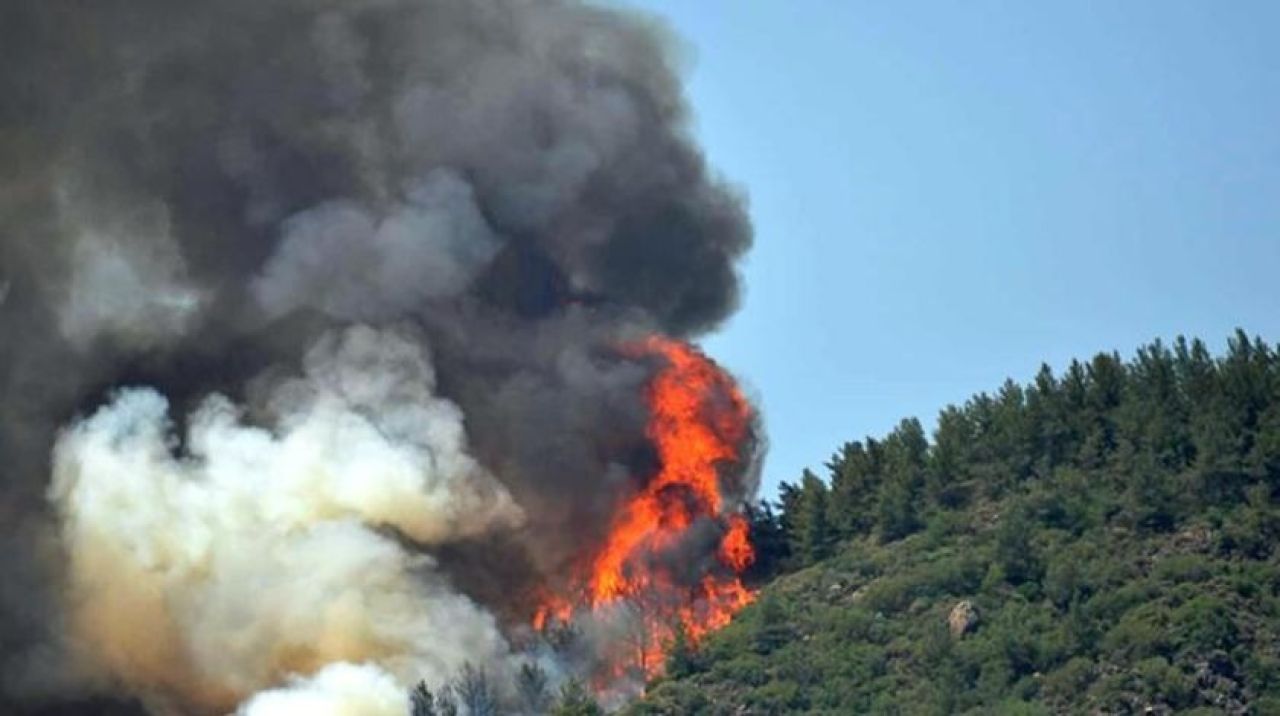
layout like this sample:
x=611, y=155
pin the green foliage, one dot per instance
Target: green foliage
x=683, y=658
x=897, y=509
x=769, y=539
x=816, y=536
x=1015, y=548
x=574, y=700
x=1067, y=682
x=771, y=628
x=1113, y=528
x=1203, y=623
x=1160, y=680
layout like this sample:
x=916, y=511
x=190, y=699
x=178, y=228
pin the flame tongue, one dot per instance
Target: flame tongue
x=699, y=419
x=699, y=425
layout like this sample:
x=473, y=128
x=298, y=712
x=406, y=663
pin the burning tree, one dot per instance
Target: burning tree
x=700, y=427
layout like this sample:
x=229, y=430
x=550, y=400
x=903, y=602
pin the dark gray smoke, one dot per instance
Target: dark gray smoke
x=193, y=194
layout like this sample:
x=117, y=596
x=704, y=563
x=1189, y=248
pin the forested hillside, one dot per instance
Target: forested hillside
x=1100, y=541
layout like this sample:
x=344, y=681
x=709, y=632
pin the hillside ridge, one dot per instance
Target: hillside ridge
x=1096, y=542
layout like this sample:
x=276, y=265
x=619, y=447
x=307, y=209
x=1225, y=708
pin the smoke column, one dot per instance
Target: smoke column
x=309, y=326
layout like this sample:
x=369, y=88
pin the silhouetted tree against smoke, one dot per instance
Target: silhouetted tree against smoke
x=475, y=691
x=446, y=703
x=534, y=689
x=422, y=701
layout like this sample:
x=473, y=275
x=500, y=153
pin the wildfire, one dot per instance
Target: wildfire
x=699, y=424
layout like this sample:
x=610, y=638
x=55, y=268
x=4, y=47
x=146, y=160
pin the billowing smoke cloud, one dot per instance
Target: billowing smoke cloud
x=307, y=322
x=257, y=554
x=350, y=263
x=337, y=690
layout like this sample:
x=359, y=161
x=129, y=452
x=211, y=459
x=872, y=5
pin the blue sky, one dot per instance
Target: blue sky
x=948, y=194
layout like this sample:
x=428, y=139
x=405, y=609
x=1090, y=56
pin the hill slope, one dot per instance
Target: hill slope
x=1097, y=542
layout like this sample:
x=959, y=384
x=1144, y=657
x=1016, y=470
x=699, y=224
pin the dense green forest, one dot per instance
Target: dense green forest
x=1099, y=541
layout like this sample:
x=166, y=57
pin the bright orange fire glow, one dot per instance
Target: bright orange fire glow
x=699, y=424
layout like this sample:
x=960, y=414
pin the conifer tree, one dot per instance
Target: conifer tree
x=531, y=683
x=769, y=540
x=898, y=509
x=816, y=535
x=475, y=691
x=422, y=702
x=771, y=629
x=855, y=474
x=575, y=701
x=682, y=657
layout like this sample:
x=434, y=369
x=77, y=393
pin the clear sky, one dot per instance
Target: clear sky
x=947, y=194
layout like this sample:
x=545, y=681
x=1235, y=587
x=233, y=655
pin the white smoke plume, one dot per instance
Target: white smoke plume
x=337, y=690
x=217, y=565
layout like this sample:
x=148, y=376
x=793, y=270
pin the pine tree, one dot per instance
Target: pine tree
x=422, y=702
x=771, y=629
x=1015, y=551
x=1154, y=414
x=475, y=692
x=1264, y=456
x=446, y=704
x=946, y=482
x=575, y=701
x=531, y=683
x=897, y=514
x=768, y=539
x=855, y=474
x=816, y=535
x=1104, y=390
x=1053, y=440
x=790, y=498
x=906, y=455
x=1011, y=436
x=682, y=656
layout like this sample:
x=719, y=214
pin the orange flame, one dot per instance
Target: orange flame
x=699, y=424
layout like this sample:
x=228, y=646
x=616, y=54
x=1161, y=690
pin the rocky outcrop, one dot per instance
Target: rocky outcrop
x=962, y=619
